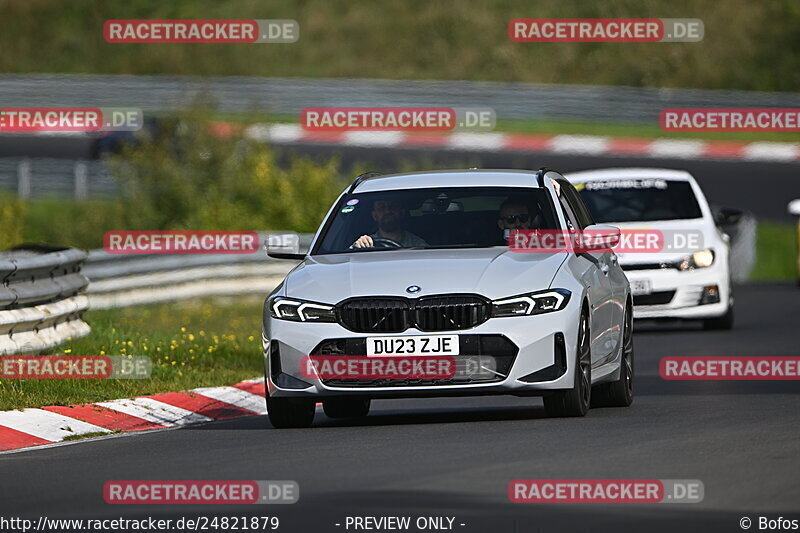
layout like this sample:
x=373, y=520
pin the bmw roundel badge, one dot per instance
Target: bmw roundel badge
x=413, y=289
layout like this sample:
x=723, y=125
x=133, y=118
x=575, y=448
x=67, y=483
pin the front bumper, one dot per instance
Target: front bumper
x=677, y=294
x=534, y=337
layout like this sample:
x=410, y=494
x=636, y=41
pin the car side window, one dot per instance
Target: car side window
x=576, y=202
x=569, y=214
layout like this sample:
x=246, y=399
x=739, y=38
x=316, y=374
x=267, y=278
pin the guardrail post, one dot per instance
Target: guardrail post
x=81, y=180
x=794, y=209
x=24, y=178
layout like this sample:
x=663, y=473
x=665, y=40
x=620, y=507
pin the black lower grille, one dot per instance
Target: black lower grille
x=651, y=266
x=431, y=313
x=498, y=347
x=654, y=298
x=462, y=361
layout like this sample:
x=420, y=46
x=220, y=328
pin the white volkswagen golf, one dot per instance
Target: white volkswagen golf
x=692, y=279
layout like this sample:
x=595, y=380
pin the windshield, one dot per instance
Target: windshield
x=466, y=217
x=641, y=199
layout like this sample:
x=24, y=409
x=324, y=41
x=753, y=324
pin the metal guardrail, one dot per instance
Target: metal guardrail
x=46, y=176
x=41, y=288
x=290, y=95
x=40, y=300
x=124, y=280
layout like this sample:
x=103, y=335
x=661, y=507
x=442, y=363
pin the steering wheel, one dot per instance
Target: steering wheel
x=382, y=242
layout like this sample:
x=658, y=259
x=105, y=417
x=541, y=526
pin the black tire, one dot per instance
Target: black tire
x=723, y=322
x=291, y=412
x=346, y=407
x=575, y=401
x=619, y=393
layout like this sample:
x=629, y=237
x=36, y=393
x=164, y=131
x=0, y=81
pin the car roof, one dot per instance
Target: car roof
x=470, y=177
x=628, y=173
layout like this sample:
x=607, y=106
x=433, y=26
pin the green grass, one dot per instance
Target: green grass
x=89, y=435
x=775, y=251
x=194, y=343
x=747, y=45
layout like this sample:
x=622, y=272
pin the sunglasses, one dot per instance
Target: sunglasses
x=512, y=219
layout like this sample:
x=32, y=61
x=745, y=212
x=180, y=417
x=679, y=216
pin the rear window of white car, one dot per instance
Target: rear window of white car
x=639, y=199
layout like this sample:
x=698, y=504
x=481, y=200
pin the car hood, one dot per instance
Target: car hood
x=491, y=272
x=710, y=239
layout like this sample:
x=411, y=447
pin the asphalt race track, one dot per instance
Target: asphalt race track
x=456, y=457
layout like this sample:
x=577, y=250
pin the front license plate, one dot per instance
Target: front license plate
x=641, y=286
x=413, y=345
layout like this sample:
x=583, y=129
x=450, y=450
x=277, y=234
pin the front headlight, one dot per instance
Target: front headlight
x=534, y=303
x=301, y=311
x=701, y=259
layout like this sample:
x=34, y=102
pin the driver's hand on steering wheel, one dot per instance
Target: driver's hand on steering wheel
x=365, y=241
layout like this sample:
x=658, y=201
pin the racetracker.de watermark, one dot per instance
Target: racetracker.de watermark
x=75, y=367
x=421, y=119
x=203, y=492
x=201, y=31
x=606, y=491
x=744, y=119
x=587, y=241
x=730, y=368
x=398, y=367
x=606, y=30
x=69, y=119
x=181, y=242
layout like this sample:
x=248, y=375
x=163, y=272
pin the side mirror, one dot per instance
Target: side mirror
x=284, y=246
x=280, y=255
x=600, y=237
x=726, y=216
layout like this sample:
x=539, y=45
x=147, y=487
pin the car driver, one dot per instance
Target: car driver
x=390, y=216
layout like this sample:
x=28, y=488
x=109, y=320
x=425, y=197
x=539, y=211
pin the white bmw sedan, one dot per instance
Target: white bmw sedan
x=410, y=289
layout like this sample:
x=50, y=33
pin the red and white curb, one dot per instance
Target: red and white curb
x=25, y=428
x=512, y=142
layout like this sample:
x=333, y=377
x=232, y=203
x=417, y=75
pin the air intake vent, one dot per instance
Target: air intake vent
x=654, y=298
x=445, y=313
x=371, y=315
